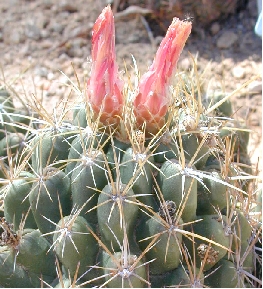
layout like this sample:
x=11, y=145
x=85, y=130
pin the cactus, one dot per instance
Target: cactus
x=142, y=187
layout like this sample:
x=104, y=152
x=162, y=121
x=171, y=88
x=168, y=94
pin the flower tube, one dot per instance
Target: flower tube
x=104, y=88
x=153, y=99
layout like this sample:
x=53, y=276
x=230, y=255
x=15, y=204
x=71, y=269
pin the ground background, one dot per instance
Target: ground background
x=40, y=38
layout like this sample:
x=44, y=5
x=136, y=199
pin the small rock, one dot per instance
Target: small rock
x=41, y=22
x=41, y=71
x=25, y=50
x=63, y=57
x=50, y=76
x=13, y=36
x=46, y=44
x=53, y=89
x=33, y=32
x=226, y=40
x=45, y=33
x=68, y=5
x=47, y=4
x=74, y=52
x=238, y=72
x=57, y=27
x=215, y=28
x=255, y=87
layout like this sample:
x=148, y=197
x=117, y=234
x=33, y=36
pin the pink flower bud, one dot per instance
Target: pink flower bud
x=153, y=99
x=104, y=90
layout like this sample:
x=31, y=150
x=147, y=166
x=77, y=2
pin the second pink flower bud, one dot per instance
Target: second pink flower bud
x=152, y=102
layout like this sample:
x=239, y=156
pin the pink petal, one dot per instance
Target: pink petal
x=153, y=99
x=104, y=90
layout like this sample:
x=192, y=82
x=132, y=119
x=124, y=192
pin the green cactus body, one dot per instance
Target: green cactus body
x=165, y=254
x=225, y=109
x=166, y=148
x=12, y=275
x=117, y=213
x=21, y=120
x=242, y=227
x=75, y=245
x=6, y=107
x=181, y=277
x=80, y=115
x=137, y=172
x=177, y=185
x=52, y=188
x=118, y=148
x=224, y=277
x=124, y=271
x=212, y=228
x=64, y=282
x=17, y=202
x=190, y=145
x=87, y=179
x=51, y=146
x=34, y=254
x=239, y=135
x=82, y=143
x=211, y=194
x=13, y=143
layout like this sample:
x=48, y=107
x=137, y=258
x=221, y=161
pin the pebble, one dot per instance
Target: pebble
x=41, y=71
x=68, y=5
x=57, y=27
x=25, y=50
x=47, y=43
x=13, y=36
x=238, y=72
x=255, y=87
x=50, y=76
x=45, y=33
x=226, y=40
x=32, y=32
x=47, y=4
x=215, y=28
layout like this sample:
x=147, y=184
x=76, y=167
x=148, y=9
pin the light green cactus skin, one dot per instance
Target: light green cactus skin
x=117, y=213
x=212, y=228
x=11, y=144
x=181, y=277
x=131, y=167
x=166, y=251
x=178, y=187
x=76, y=246
x=87, y=179
x=51, y=191
x=51, y=146
x=212, y=194
x=10, y=277
x=34, y=254
x=122, y=275
x=17, y=204
x=224, y=277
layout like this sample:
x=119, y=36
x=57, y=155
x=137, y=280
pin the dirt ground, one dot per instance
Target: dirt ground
x=39, y=39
